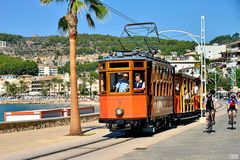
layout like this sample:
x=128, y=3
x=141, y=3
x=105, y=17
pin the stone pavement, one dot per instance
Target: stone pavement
x=19, y=144
x=33, y=140
x=195, y=144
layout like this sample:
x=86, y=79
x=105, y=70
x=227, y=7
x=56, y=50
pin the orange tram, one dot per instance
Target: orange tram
x=163, y=98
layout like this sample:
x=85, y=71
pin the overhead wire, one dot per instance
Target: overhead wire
x=119, y=13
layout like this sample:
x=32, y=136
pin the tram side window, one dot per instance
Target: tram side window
x=103, y=83
x=160, y=85
x=139, y=82
x=166, y=82
x=119, y=82
x=171, y=84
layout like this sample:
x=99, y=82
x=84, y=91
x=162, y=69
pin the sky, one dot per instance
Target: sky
x=29, y=17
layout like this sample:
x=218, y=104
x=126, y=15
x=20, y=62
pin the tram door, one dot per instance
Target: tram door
x=149, y=92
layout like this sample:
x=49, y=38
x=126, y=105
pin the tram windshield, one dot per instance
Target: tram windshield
x=119, y=82
x=122, y=82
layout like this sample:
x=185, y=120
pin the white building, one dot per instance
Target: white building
x=39, y=83
x=47, y=70
x=186, y=61
x=212, y=51
x=185, y=64
x=3, y=44
x=9, y=78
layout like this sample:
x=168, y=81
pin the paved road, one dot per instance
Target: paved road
x=194, y=144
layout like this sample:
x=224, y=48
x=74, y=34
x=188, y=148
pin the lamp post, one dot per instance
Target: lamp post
x=215, y=80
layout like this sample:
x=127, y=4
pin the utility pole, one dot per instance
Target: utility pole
x=215, y=80
x=203, y=69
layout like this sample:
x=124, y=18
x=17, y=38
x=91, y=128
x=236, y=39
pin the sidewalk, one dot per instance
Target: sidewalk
x=57, y=136
x=16, y=144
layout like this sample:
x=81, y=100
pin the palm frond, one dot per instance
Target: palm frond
x=88, y=2
x=97, y=7
x=99, y=10
x=77, y=5
x=90, y=20
x=62, y=25
x=46, y=2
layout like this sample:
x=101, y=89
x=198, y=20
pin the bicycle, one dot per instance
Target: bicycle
x=231, y=122
x=210, y=122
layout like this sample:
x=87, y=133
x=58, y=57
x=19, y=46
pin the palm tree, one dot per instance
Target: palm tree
x=13, y=89
x=69, y=23
x=59, y=82
x=7, y=88
x=67, y=84
x=49, y=84
x=22, y=88
x=54, y=81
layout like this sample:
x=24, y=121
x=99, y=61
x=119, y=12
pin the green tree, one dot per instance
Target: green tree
x=225, y=83
x=17, y=66
x=49, y=85
x=69, y=23
x=235, y=37
x=67, y=87
x=44, y=89
x=225, y=39
x=54, y=81
x=13, y=89
x=91, y=80
x=7, y=88
x=22, y=88
x=238, y=77
x=83, y=85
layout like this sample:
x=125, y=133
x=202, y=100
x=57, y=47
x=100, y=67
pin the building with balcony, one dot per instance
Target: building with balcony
x=47, y=70
x=38, y=84
x=213, y=51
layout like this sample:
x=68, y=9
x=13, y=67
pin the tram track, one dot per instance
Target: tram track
x=91, y=147
x=83, y=149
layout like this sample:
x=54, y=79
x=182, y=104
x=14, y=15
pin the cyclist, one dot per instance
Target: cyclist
x=232, y=107
x=210, y=107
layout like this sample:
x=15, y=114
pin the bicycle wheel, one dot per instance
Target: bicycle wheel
x=232, y=119
x=210, y=122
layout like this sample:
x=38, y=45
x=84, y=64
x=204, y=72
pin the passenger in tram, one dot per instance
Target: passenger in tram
x=123, y=84
x=139, y=84
x=177, y=90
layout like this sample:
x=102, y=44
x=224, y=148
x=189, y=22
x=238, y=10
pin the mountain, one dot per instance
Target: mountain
x=29, y=47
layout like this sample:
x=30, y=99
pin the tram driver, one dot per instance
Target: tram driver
x=123, y=84
x=139, y=84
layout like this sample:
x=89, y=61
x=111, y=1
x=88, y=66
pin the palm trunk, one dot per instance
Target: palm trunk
x=75, y=125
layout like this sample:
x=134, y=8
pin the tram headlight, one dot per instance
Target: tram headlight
x=119, y=111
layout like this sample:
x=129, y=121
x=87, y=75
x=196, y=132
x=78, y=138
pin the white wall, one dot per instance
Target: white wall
x=182, y=64
x=212, y=51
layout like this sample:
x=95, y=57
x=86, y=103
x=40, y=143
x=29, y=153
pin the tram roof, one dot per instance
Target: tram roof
x=132, y=55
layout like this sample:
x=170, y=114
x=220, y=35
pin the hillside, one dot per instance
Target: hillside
x=86, y=44
x=17, y=66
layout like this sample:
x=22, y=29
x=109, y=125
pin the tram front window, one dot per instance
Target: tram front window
x=102, y=83
x=119, y=82
x=139, y=83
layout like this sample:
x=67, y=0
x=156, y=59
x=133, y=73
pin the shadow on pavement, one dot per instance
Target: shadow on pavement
x=209, y=131
x=231, y=128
